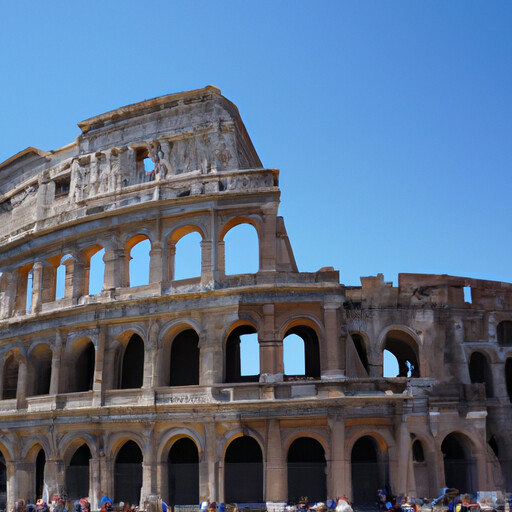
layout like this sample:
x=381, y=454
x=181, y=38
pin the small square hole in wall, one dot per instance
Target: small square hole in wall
x=467, y=294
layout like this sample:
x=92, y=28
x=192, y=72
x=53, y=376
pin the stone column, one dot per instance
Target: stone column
x=37, y=286
x=23, y=481
x=276, y=474
x=54, y=477
x=204, y=482
x=403, y=474
x=333, y=360
x=171, y=258
x=99, y=385
x=207, y=269
x=95, y=483
x=49, y=280
x=148, y=481
x=268, y=238
x=210, y=356
x=271, y=349
x=214, y=483
x=115, y=275
x=7, y=293
x=79, y=274
x=56, y=359
x=337, y=483
x=155, y=263
x=220, y=271
x=21, y=388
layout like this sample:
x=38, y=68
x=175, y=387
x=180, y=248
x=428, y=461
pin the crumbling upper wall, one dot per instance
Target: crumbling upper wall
x=431, y=290
x=195, y=143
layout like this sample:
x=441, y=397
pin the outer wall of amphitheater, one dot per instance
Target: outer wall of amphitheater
x=138, y=390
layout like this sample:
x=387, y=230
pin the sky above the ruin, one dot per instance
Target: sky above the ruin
x=390, y=122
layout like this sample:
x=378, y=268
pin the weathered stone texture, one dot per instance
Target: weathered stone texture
x=135, y=372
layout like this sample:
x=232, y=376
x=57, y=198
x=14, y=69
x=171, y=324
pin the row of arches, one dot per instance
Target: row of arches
x=244, y=466
x=126, y=362
x=72, y=274
x=179, y=361
x=402, y=355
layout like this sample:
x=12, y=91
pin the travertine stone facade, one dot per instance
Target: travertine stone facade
x=138, y=391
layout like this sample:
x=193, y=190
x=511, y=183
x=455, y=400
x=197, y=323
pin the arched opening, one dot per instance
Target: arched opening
x=459, y=466
x=84, y=367
x=77, y=473
x=404, y=348
x=241, y=250
x=479, y=372
x=61, y=276
x=294, y=359
x=96, y=272
x=132, y=371
x=185, y=359
x=10, y=378
x=369, y=471
x=40, y=466
x=311, y=349
x=29, y=287
x=389, y=364
x=420, y=467
x=183, y=470
x=138, y=271
x=3, y=483
x=243, y=471
x=306, y=466
x=187, y=258
x=508, y=377
x=234, y=355
x=504, y=331
x=40, y=370
x=417, y=453
x=360, y=347
x=128, y=473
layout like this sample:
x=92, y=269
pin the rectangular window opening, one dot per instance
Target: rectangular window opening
x=467, y=295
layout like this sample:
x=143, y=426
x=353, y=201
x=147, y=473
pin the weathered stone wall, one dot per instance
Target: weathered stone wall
x=152, y=365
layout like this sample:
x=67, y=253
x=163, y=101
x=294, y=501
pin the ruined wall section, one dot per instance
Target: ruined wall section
x=195, y=143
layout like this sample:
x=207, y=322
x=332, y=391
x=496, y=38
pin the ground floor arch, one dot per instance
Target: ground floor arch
x=243, y=471
x=77, y=473
x=306, y=467
x=128, y=473
x=369, y=470
x=183, y=473
x=459, y=464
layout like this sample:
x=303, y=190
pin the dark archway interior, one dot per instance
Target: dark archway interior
x=458, y=466
x=133, y=364
x=10, y=379
x=183, y=464
x=243, y=471
x=368, y=475
x=306, y=470
x=40, y=465
x=77, y=473
x=84, y=374
x=185, y=359
x=479, y=372
x=128, y=473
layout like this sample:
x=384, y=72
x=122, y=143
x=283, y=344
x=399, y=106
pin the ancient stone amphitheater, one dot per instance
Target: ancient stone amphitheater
x=139, y=390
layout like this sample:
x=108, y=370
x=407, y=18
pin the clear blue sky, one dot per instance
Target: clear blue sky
x=390, y=122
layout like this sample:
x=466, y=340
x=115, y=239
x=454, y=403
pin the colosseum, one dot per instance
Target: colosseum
x=138, y=390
